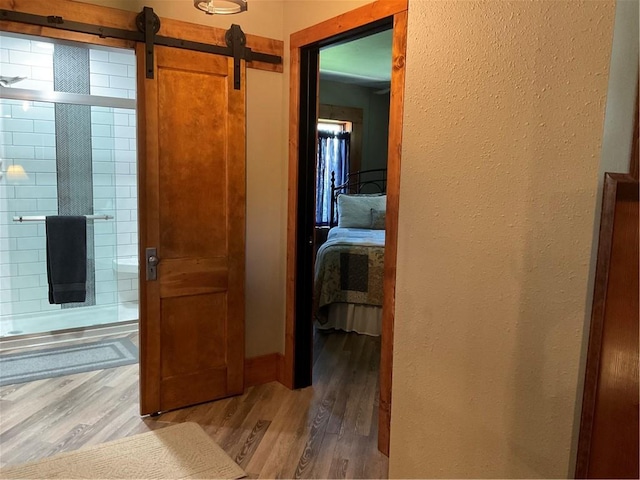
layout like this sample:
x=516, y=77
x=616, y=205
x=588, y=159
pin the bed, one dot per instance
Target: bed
x=350, y=264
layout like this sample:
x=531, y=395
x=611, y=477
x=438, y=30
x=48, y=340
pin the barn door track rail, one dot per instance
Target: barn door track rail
x=148, y=24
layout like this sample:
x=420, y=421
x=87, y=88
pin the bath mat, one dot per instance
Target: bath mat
x=180, y=451
x=58, y=361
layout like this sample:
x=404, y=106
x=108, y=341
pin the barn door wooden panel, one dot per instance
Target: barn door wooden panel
x=192, y=208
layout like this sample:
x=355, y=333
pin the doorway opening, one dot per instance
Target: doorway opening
x=353, y=125
x=305, y=52
x=324, y=156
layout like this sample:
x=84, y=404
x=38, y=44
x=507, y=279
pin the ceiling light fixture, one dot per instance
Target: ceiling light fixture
x=221, y=7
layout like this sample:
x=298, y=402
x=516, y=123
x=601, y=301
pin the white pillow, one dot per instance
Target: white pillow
x=354, y=211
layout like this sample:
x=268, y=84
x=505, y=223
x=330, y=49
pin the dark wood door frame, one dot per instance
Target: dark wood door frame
x=610, y=400
x=305, y=44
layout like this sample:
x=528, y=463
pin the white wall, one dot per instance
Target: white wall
x=503, y=122
x=623, y=85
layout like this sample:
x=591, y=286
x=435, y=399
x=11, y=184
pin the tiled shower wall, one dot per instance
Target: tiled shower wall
x=115, y=190
x=27, y=135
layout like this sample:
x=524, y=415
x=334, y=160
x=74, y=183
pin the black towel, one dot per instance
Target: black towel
x=67, y=258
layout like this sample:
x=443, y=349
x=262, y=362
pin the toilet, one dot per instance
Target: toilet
x=126, y=272
x=126, y=266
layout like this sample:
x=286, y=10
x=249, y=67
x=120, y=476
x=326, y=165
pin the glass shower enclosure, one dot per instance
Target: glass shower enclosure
x=68, y=147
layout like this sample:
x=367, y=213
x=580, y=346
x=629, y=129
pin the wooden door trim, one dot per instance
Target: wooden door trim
x=35, y=30
x=147, y=219
x=364, y=15
x=396, y=111
x=612, y=183
x=126, y=20
x=359, y=17
x=634, y=167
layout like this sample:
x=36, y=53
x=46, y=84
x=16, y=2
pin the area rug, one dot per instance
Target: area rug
x=179, y=451
x=55, y=362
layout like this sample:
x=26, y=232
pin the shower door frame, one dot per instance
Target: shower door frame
x=60, y=98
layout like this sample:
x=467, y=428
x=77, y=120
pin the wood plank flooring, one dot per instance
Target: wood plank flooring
x=328, y=430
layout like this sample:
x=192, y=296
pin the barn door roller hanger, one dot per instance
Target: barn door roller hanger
x=148, y=24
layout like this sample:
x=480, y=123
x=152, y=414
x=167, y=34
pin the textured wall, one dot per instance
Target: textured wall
x=503, y=123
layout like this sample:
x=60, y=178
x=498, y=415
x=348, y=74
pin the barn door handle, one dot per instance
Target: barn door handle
x=152, y=263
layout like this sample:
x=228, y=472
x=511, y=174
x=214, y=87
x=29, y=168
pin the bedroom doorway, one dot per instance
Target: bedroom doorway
x=305, y=48
x=351, y=169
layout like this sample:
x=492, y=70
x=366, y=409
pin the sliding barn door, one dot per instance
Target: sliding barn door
x=192, y=224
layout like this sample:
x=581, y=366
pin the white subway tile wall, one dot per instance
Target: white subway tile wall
x=27, y=135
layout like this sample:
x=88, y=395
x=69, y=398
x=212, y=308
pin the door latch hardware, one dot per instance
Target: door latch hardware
x=152, y=260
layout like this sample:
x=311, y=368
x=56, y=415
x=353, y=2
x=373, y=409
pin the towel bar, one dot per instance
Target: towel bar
x=42, y=218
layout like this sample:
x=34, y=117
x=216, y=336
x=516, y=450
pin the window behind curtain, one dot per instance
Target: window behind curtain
x=333, y=156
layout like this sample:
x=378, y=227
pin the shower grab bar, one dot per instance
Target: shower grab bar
x=42, y=218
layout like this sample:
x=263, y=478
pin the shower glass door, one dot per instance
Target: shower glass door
x=68, y=147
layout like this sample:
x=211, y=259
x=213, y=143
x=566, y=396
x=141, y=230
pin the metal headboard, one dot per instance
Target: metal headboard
x=362, y=181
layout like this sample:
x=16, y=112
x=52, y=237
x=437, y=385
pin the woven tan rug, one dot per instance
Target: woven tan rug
x=179, y=451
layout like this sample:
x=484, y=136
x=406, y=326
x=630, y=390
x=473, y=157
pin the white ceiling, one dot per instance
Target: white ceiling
x=366, y=61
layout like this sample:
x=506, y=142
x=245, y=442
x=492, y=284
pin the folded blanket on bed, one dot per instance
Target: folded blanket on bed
x=349, y=269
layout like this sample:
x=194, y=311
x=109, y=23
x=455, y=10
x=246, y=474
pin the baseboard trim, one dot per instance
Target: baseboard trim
x=263, y=369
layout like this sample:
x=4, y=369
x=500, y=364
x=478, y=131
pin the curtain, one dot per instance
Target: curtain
x=333, y=156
